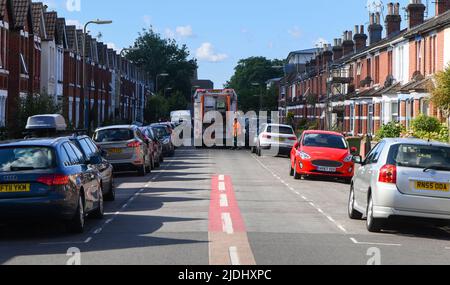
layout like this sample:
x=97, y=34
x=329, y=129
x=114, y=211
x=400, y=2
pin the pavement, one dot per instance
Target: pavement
x=224, y=207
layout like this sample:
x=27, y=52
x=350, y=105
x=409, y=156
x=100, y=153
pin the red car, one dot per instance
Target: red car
x=321, y=153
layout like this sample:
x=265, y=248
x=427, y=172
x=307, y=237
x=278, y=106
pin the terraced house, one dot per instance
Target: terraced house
x=364, y=80
x=40, y=54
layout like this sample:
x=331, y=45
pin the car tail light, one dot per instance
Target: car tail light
x=54, y=180
x=134, y=144
x=388, y=174
x=293, y=138
x=266, y=136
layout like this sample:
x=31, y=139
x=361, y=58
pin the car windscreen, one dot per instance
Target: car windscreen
x=113, y=135
x=420, y=156
x=280, y=130
x=160, y=131
x=325, y=141
x=26, y=158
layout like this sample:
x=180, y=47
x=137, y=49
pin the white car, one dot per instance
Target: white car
x=275, y=137
x=402, y=178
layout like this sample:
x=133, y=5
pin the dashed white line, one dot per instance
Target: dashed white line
x=221, y=177
x=97, y=231
x=234, y=256
x=88, y=240
x=222, y=186
x=223, y=201
x=373, y=243
x=227, y=224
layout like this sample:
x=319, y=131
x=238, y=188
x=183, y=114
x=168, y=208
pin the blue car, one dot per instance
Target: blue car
x=48, y=179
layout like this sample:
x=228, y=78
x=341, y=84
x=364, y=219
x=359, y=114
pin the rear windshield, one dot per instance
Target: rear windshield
x=280, y=130
x=421, y=156
x=26, y=158
x=114, y=135
x=325, y=140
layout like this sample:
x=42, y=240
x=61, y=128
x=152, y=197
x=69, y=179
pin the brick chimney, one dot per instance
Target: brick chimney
x=348, y=45
x=360, y=38
x=393, y=19
x=416, y=13
x=327, y=54
x=338, y=51
x=375, y=28
x=442, y=6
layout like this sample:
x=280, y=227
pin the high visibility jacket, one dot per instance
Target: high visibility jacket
x=237, y=129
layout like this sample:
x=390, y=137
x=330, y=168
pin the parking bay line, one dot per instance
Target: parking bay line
x=373, y=243
x=234, y=256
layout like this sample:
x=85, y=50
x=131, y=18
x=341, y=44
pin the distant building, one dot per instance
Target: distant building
x=203, y=84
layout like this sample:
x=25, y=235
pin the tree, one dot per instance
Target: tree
x=157, y=109
x=255, y=70
x=440, y=95
x=157, y=55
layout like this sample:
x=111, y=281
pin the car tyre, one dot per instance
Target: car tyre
x=352, y=213
x=111, y=195
x=291, y=170
x=374, y=225
x=297, y=176
x=100, y=211
x=142, y=171
x=76, y=225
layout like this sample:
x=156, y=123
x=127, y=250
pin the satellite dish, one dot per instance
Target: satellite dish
x=374, y=6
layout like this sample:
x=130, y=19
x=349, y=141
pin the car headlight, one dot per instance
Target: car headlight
x=349, y=158
x=304, y=155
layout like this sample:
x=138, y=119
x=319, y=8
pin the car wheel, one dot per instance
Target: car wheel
x=111, y=195
x=76, y=225
x=297, y=176
x=259, y=152
x=352, y=213
x=100, y=211
x=374, y=225
x=291, y=169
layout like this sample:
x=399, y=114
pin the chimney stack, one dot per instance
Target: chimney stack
x=337, y=49
x=416, y=13
x=375, y=28
x=360, y=38
x=442, y=6
x=348, y=45
x=393, y=19
x=327, y=54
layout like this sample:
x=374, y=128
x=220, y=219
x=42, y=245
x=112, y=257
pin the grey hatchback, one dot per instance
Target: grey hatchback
x=126, y=148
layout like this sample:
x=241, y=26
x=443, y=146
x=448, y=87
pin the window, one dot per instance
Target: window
x=419, y=55
x=395, y=111
x=78, y=153
x=86, y=149
x=420, y=156
x=369, y=67
x=325, y=141
x=377, y=70
x=26, y=158
x=424, y=106
x=64, y=157
x=370, y=121
x=72, y=156
x=23, y=65
x=375, y=153
x=390, y=63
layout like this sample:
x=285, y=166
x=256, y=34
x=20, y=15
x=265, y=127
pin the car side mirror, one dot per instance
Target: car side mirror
x=357, y=159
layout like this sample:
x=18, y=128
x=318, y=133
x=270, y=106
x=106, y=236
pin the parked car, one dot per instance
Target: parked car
x=156, y=145
x=126, y=148
x=164, y=135
x=322, y=153
x=281, y=137
x=402, y=177
x=95, y=158
x=47, y=179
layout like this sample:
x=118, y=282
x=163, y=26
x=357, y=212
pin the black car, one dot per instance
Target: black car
x=95, y=158
x=48, y=179
x=164, y=135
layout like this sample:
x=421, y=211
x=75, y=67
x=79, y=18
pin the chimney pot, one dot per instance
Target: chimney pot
x=416, y=13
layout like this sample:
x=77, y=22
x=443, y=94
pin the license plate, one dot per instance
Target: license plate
x=282, y=139
x=115, y=150
x=433, y=186
x=326, y=169
x=14, y=188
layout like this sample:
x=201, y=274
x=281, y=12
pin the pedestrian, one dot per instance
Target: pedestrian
x=237, y=130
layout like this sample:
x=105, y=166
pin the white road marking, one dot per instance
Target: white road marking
x=227, y=224
x=97, y=231
x=373, y=243
x=221, y=177
x=223, y=201
x=234, y=256
x=222, y=186
x=109, y=221
x=88, y=240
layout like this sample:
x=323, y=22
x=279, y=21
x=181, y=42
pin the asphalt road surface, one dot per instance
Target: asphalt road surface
x=213, y=206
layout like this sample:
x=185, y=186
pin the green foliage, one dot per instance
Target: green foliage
x=390, y=130
x=255, y=70
x=32, y=105
x=157, y=109
x=157, y=55
x=440, y=95
x=429, y=128
x=423, y=123
x=290, y=118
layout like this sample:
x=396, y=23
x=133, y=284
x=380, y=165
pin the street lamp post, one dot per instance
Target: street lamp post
x=83, y=53
x=156, y=83
x=122, y=54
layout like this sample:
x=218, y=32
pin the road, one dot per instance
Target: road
x=211, y=206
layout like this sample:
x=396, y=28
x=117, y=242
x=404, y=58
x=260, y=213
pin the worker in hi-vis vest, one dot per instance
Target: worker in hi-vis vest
x=237, y=130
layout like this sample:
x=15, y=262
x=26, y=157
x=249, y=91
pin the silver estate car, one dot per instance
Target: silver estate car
x=401, y=178
x=126, y=147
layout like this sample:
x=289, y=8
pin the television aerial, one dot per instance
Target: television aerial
x=374, y=6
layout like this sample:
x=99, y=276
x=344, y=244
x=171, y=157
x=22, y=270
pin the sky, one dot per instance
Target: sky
x=221, y=32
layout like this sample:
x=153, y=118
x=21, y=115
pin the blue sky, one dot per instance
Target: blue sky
x=220, y=32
